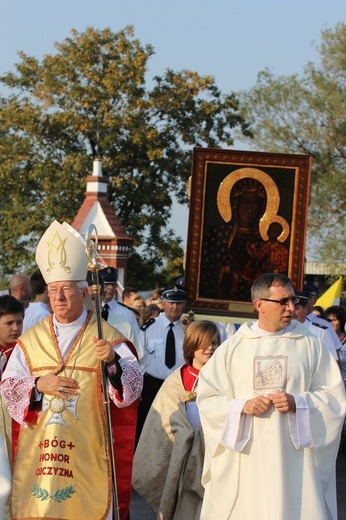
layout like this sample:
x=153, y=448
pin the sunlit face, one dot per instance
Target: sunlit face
x=138, y=305
x=202, y=355
x=66, y=300
x=335, y=322
x=109, y=292
x=173, y=310
x=11, y=326
x=273, y=316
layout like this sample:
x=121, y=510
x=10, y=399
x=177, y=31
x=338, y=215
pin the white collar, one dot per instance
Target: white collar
x=256, y=328
x=61, y=328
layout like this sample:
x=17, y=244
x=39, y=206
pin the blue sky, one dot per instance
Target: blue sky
x=231, y=40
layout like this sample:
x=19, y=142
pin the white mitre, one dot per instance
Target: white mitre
x=60, y=254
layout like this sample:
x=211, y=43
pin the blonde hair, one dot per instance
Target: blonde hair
x=137, y=297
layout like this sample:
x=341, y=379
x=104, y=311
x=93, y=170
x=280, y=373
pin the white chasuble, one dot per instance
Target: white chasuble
x=276, y=466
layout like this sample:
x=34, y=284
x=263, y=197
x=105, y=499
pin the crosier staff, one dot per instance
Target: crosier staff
x=94, y=267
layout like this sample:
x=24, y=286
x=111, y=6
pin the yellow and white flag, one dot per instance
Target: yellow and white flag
x=331, y=296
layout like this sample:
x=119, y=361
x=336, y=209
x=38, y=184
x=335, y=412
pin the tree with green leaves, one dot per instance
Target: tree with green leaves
x=90, y=99
x=307, y=114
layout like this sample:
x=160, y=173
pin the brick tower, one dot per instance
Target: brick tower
x=113, y=243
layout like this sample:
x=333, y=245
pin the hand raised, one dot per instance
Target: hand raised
x=104, y=350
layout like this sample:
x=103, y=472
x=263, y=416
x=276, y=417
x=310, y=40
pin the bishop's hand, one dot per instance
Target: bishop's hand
x=59, y=385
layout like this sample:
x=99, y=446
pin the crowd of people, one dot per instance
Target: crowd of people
x=206, y=420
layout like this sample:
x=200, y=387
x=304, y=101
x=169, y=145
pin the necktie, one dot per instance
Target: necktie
x=105, y=311
x=170, y=347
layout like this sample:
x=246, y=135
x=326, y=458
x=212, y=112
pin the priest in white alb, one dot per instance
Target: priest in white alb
x=272, y=407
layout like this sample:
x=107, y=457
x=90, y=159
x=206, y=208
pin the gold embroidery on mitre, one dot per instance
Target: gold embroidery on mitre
x=54, y=250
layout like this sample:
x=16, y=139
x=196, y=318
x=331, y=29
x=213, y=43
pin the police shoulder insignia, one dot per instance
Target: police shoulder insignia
x=324, y=327
x=147, y=324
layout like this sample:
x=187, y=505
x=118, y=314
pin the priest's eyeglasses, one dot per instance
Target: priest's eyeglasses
x=284, y=301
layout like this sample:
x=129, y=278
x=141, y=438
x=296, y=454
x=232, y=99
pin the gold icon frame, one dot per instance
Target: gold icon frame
x=286, y=180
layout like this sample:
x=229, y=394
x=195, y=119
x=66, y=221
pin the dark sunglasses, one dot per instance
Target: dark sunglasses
x=284, y=301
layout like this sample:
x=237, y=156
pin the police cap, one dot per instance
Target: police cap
x=176, y=294
x=303, y=298
x=109, y=275
x=309, y=288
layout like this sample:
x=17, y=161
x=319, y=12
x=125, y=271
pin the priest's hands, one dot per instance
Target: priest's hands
x=283, y=403
x=257, y=405
x=53, y=384
x=104, y=351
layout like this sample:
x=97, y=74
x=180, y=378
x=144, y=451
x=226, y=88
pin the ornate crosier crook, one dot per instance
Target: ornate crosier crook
x=94, y=267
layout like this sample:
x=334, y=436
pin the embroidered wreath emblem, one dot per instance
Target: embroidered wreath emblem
x=58, y=495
